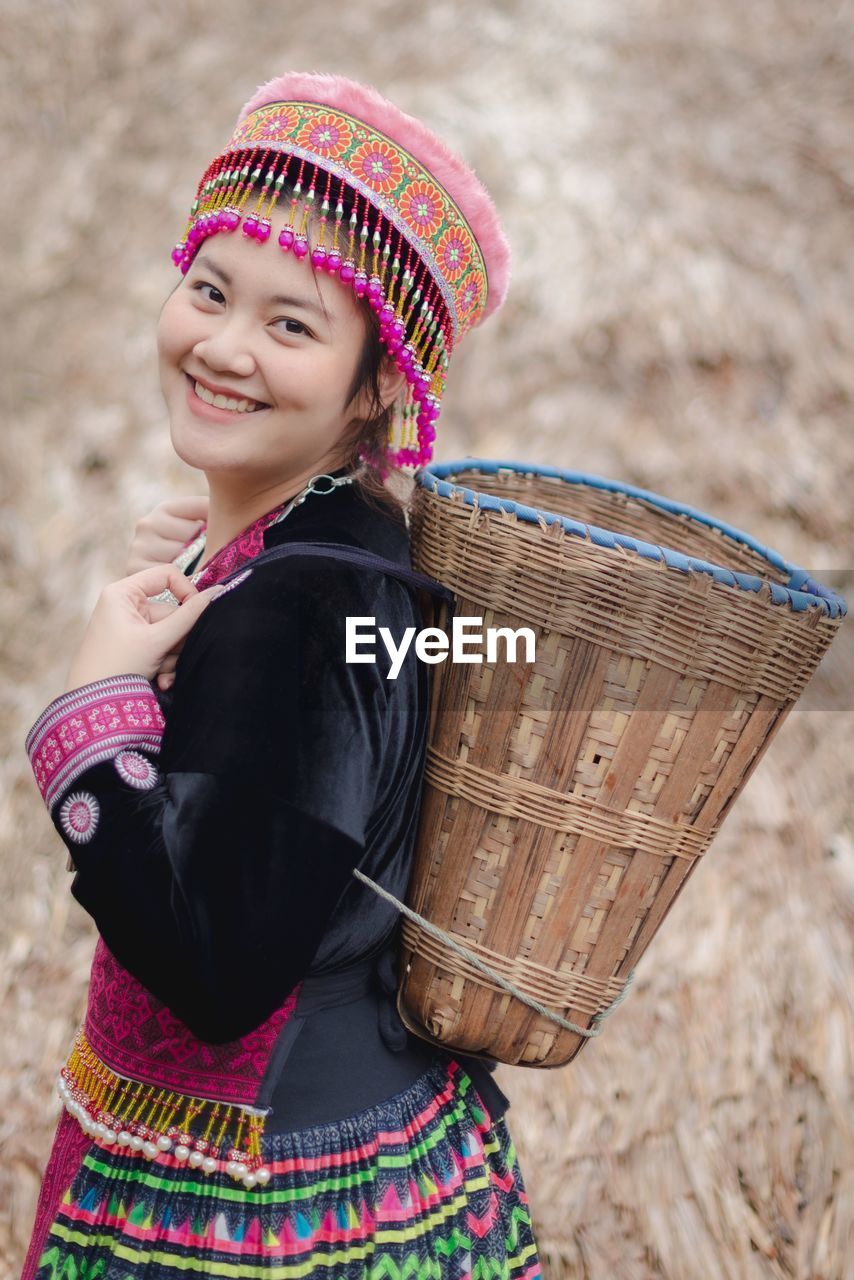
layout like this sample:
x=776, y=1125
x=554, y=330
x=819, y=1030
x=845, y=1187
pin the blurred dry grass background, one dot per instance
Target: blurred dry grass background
x=678, y=183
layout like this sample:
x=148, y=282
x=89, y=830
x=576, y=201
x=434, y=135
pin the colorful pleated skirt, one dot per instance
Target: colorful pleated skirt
x=422, y=1185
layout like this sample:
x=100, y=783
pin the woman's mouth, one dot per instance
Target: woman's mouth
x=209, y=404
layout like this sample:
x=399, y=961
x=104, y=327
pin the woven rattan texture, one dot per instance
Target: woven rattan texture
x=624, y=513
x=567, y=800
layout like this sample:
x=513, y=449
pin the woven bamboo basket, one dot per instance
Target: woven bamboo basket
x=567, y=800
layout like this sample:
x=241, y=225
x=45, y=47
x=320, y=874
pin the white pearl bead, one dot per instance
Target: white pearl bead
x=135, y=1142
x=164, y=1143
x=124, y=1138
x=149, y=1150
x=250, y=1180
x=240, y=1171
x=99, y=1130
x=209, y=1164
x=109, y=1136
x=263, y=1176
x=196, y=1158
x=182, y=1152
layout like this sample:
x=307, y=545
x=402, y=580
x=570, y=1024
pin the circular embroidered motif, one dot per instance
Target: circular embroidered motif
x=79, y=816
x=135, y=770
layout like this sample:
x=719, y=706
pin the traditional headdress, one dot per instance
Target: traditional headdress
x=402, y=221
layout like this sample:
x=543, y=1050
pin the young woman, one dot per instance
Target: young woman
x=242, y=1096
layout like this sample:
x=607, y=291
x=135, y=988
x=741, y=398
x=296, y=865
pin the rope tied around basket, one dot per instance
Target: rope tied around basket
x=477, y=963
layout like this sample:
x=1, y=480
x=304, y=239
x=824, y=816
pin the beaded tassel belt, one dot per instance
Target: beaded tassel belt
x=158, y=1122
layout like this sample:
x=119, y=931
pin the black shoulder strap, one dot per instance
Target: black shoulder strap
x=359, y=556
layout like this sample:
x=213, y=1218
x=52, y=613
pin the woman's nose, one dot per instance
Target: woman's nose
x=226, y=351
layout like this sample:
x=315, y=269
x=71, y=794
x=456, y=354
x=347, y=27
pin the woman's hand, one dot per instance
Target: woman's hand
x=130, y=634
x=165, y=531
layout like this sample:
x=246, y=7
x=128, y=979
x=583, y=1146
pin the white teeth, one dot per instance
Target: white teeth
x=224, y=402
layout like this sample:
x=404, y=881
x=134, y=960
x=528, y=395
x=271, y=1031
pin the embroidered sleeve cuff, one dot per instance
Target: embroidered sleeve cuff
x=91, y=724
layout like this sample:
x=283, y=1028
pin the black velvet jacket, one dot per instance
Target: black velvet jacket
x=282, y=768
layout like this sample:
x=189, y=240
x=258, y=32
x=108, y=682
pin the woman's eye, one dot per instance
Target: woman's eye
x=201, y=285
x=292, y=326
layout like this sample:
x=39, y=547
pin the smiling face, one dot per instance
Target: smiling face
x=281, y=343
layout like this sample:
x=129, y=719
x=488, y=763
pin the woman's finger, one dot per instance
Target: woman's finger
x=172, y=630
x=171, y=529
x=194, y=508
x=157, y=578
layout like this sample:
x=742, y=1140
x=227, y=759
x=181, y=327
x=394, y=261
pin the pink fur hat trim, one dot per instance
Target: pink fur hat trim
x=452, y=173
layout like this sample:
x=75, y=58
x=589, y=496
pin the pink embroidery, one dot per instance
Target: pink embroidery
x=70, y=1144
x=79, y=817
x=137, y=1036
x=85, y=726
x=247, y=544
x=135, y=770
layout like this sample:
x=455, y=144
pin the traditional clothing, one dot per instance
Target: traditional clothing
x=250, y=1102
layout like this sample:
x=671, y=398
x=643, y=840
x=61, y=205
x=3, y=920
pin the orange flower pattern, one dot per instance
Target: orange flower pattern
x=468, y=297
x=422, y=207
x=377, y=164
x=454, y=252
x=329, y=135
x=393, y=179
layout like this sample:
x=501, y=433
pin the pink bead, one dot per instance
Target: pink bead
x=333, y=262
x=318, y=256
x=387, y=312
x=177, y=254
x=348, y=271
x=376, y=301
x=375, y=288
x=399, y=328
x=300, y=247
x=230, y=219
x=360, y=284
x=250, y=227
x=393, y=345
x=286, y=238
x=263, y=231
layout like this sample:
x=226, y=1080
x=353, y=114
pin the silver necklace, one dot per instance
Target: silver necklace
x=191, y=552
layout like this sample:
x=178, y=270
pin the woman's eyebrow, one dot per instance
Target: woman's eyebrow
x=283, y=300
x=279, y=300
